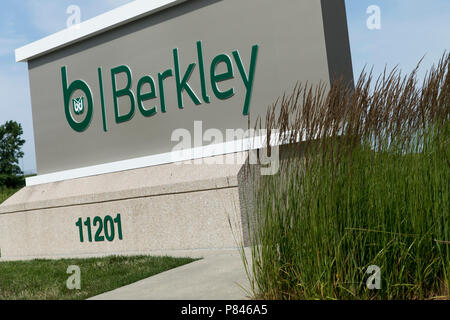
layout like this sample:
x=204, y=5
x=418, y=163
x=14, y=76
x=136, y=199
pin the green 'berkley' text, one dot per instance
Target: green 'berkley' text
x=150, y=88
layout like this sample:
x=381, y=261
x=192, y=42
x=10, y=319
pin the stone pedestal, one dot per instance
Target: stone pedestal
x=162, y=209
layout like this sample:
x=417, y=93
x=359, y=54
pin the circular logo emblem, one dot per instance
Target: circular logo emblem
x=80, y=104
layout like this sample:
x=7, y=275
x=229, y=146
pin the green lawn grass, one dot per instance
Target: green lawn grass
x=5, y=193
x=46, y=279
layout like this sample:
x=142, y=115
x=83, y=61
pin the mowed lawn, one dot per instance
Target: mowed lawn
x=5, y=193
x=47, y=279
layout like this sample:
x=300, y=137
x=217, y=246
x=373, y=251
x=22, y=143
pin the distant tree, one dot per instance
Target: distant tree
x=11, y=143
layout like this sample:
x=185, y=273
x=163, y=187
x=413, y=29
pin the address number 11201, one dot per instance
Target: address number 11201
x=106, y=228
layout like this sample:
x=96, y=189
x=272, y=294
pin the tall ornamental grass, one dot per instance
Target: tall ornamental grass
x=369, y=185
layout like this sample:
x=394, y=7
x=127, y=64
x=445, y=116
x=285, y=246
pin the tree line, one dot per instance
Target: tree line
x=11, y=142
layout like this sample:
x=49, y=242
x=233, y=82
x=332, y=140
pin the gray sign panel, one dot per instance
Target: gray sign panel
x=121, y=94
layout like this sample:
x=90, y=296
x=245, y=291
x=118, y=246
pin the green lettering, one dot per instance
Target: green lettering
x=183, y=84
x=146, y=96
x=248, y=80
x=161, y=78
x=201, y=67
x=215, y=78
x=68, y=91
x=123, y=92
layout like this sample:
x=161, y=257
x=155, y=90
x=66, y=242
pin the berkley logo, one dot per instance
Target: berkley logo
x=78, y=105
x=146, y=88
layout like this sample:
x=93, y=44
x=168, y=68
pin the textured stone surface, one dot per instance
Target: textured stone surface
x=164, y=208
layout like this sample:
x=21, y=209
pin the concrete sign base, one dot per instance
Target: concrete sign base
x=154, y=209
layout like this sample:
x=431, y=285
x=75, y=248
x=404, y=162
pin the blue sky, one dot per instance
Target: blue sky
x=410, y=29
